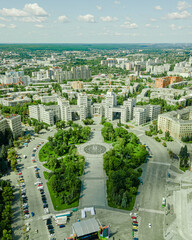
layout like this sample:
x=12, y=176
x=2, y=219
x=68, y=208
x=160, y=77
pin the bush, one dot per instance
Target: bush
x=157, y=139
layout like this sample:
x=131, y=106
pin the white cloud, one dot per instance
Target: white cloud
x=33, y=19
x=179, y=15
x=87, y=18
x=4, y=19
x=12, y=26
x=13, y=12
x=63, y=19
x=148, y=25
x=182, y=5
x=108, y=19
x=35, y=9
x=2, y=25
x=39, y=26
x=173, y=27
x=99, y=8
x=129, y=25
x=117, y=2
x=153, y=20
x=158, y=7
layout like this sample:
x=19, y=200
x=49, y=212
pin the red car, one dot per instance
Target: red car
x=135, y=222
x=133, y=217
x=26, y=211
x=20, y=173
x=39, y=185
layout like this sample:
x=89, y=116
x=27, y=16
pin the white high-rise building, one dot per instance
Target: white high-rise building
x=13, y=122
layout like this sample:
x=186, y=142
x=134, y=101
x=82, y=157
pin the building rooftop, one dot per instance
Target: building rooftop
x=86, y=227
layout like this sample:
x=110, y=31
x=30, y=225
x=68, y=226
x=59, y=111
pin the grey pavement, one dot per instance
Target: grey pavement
x=93, y=190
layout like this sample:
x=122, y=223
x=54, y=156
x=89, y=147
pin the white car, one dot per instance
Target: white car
x=149, y=225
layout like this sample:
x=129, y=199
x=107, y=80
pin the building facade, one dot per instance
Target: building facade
x=165, y=81
x=13, y=122
x=177, y=123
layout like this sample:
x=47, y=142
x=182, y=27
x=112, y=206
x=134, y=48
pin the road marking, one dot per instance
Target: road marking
x=151, y=211
x=161, y=163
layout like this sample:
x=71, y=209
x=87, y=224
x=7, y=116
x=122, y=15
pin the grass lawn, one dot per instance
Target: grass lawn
x=46, y=151
x=46, y=174
x=57, y=202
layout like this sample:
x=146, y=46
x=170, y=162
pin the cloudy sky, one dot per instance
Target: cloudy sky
x=95, y=21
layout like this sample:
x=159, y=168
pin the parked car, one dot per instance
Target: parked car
x=49, y=221
x=51, y=231
x=32, y=214
x=26, y=211
x=135, y=222
x=61, y=226
x=37, y=175
x=149, y=225
x=50, y=226
x=45, y=205
x=133, y=217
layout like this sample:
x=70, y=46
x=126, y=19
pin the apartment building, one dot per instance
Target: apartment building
x=13, y=77
x=140, y=115
x=177, y=123
x=48, y=114
x=82, y=72
x=165, y=81
x=77, y=85
x=13, y=122
x=143, y=114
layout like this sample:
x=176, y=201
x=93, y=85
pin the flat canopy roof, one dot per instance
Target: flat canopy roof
x=86, y=227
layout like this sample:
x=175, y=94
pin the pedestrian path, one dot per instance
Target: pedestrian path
x=93, y=189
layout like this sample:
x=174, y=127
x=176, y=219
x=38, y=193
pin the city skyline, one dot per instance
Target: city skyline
x=95, y=22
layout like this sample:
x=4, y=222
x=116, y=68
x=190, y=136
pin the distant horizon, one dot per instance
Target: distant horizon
x=148, y=43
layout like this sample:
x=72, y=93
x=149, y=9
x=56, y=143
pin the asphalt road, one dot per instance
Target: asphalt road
x=149, y=199
x=34, y=199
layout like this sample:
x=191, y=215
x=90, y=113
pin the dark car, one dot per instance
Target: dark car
x=50, y=226
x=45, y=205
x=44, y=201
x=51, y=231
x=37, y=175
x=42, y=192
x=49, y=221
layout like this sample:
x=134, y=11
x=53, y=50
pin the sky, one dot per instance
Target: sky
x=95, y=21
